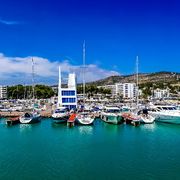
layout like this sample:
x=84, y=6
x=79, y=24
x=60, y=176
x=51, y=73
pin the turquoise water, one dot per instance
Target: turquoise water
x=103, y=151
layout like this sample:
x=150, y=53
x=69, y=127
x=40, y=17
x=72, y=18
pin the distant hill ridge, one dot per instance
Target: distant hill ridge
x=163, y=76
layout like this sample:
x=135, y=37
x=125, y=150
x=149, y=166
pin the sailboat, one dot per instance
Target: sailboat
x=138, y=115
x=61, y=114
x=132, y=117
x=143, y=116
x=84, y=117
x=34, y=116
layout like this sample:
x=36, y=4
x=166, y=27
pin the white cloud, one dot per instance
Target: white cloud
x=18, y=70
x=8, y=22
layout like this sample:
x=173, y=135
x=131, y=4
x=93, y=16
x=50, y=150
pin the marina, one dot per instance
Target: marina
x=55, y=151
x=89, y=90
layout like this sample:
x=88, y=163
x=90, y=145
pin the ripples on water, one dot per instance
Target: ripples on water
x=103, y=151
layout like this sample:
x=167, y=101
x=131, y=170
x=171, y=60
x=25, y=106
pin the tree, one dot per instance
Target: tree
x=21, y=92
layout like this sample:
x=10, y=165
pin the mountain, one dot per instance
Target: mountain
x=167, y=77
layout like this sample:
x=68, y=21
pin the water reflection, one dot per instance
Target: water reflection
x=58, y=125
x=112, y=128
x=25, y=127
x=150, y=127
x=85, y=130
x=168, y=125
x=2, y=120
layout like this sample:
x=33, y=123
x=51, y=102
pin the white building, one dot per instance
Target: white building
x=68, y=96
x=3, y=92
x=160, y=93
x=129, y=90
x=126, y=90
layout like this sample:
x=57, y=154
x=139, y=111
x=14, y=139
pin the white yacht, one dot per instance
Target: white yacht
x=85, y=118
x=29, y=118
x=111, y=115
x=165, y=113
x=145, y=117
x=61, y=115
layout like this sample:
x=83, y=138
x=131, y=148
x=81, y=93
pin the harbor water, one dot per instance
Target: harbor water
x=54, y=151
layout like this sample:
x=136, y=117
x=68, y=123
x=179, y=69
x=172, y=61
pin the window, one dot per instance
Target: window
x=68, y=100
x=68, y=93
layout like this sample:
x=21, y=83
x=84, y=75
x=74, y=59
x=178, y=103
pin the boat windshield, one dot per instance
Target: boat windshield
x=167, y=108
x=113, y=110
x=60, y=111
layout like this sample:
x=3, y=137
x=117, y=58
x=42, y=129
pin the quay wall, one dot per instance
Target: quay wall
x=47, y=113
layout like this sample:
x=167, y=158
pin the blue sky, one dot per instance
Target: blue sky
x=115, y=33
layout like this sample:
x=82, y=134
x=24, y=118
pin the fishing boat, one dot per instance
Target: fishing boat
x=33, y=116
x=84, y=117
x=111, y=115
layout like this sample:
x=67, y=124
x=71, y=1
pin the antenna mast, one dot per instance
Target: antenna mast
x=84, y=58
x=59, y=89
x=137, y=81
x=33, y=79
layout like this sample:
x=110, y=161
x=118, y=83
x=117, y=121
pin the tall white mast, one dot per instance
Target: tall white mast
x=33, y=79
x=59, y=89
x=84, y=58
x=137, y=81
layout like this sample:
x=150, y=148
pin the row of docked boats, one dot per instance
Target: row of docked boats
x=116, y=115
x=109, y=114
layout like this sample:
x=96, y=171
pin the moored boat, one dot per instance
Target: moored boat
x=145, y=117
x=111, y=115
x=61, y=115
x=131, y=118
x=30, y=118
x=85, y=118
x=165, y=113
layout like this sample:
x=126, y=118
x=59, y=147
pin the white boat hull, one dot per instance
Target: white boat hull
x=29, y=120
x=167, y=117
x=85, y=119
x=147, y=119
x=111, y=118
x=61, y=119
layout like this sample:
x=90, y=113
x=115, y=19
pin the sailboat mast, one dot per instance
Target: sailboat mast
x=33, y=79
x=137, y=81
x=84, y=58
x=59, y=88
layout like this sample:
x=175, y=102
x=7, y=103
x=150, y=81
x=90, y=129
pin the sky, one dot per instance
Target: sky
x=115, y=32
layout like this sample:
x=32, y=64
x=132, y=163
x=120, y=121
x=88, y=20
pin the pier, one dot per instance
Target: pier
x=47, y=113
